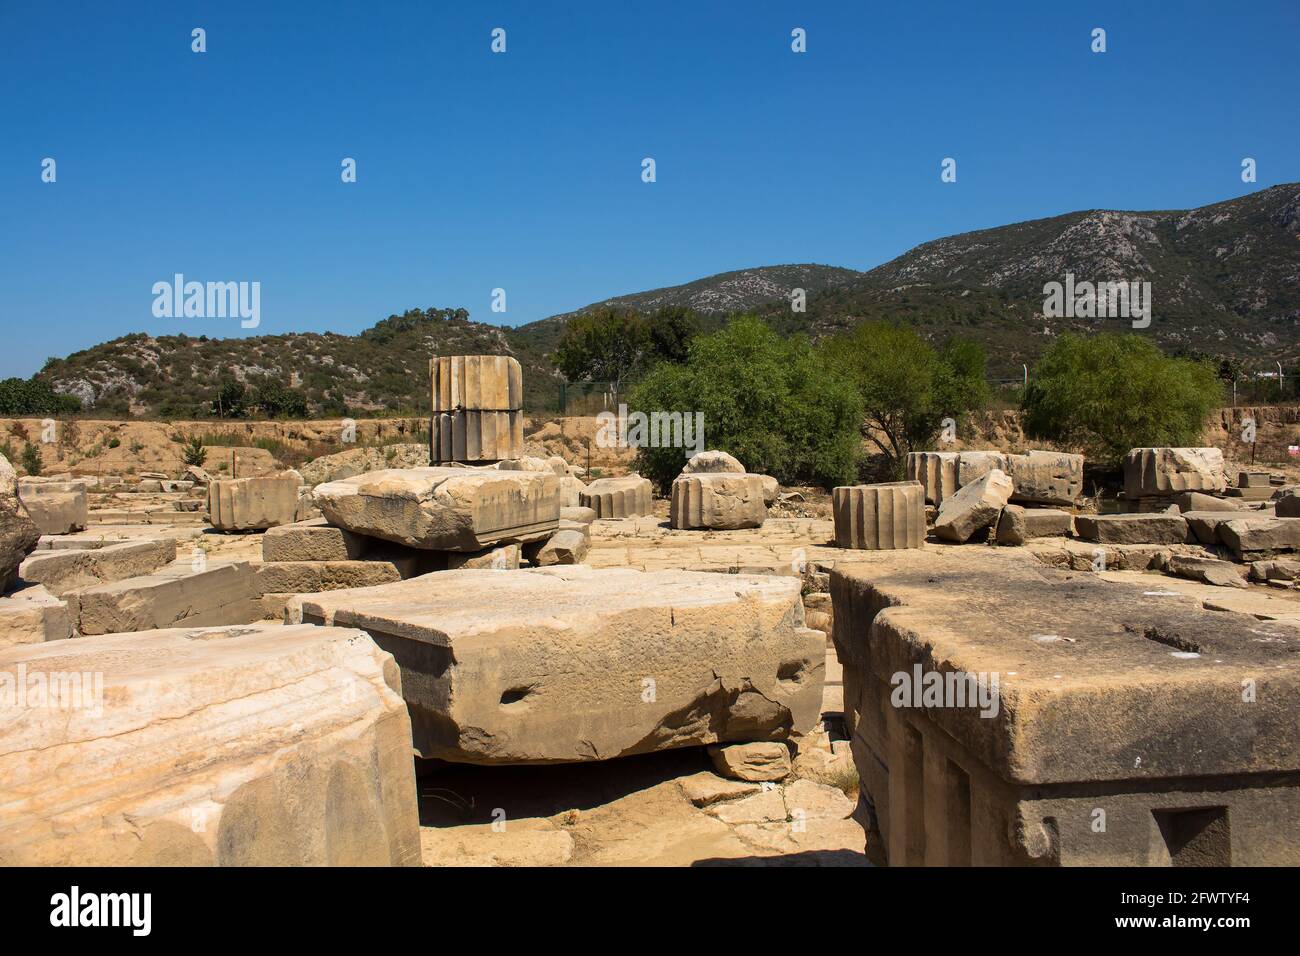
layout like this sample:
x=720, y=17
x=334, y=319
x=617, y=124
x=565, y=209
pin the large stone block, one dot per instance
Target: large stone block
x=30, y=614
x=445, y=509
x=314, y=540
x=1162, y=528
x=1288, y=504
x=177, y=595
x=18, y=533
x=717, y=500
x=57, y=508
x=881, y=516
x=1046, y=477
x=997, y=705
x=571, y=664
x=235, y=746
x=712, y=462
x=566, y=546
x=624, y=497
x=1244, y=535
x=253, y=504
x=973, y=507
x=302, y=577
x=1199, y=501
x=1168, y=471
x=476, y=382
x=64, y=569
x=1016, y=525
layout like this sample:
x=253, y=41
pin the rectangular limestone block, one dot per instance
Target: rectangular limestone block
x=1046, y=478
x=974, y=465
x=66, y=569
x=1243, y=535
x=173, y=596
x=1018, y=525
x=1163, y=528
x=880, y=516
x=445, y=509
x=303, y=577
x=717, y=500
x=491, y=383
x=477, y=436
x=56, y=512
x=248, y=504
x=1168, y=471
x=251, y=745
x=974, y=507
x=997, y=703
x=624, y=497
x=314, y=540
x=1199, y=501
x=1204, y=525
x=570, y=663
x=30, y=614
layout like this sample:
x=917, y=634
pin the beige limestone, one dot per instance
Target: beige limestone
x=570, y=663
x=177, y=595
x=234, y=746
x=624, y=497
x=56, y=507
x=1017, y=524
x=313, y=540
x=710, y=462
x=1243, y=535
x=717, y=500
x=973, y=507
x=477, y=382
x=1168, y=471
x=301, y=577
x=1162, y=528
x=762, y=760
x=66, y=569
x=566, y=546
x=446, y=509
x=30, y=614
x=879, y=516
x=250, y=504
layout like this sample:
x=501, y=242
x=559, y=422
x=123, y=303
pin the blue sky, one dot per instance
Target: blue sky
x=523, y=170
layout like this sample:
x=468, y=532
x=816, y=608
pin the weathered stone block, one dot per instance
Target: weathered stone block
x=1095, y=694
x=566, y=546
x=718, y=500
x=18, y=532
x=973, y=507
x=65, y=569
x=572, y=664
x=476, y=382
x=1288, y=505
x=936, y=471
x=175, y=596
x=302, y=577
x=56, y=512
x=314, y=540
x=1199, y=501
x=618, y=497
x=1168, y=471
x=713, y=462
x=1161, y=528
x=30, y=614
x=1046, y=477
x=880, y=516
x=251, y=504
x=235, y=746
x=1016, y=525
x=445, y=509
x=753, y=762
x=1206, y=570
x=477, y=436
x=1243, y=535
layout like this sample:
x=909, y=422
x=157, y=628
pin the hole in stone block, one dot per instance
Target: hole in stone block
x=1195, y=837
x=515, y=695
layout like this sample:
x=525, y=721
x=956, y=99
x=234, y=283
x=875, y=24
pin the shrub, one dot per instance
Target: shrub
x=31, y=459
x=768, y=400
x=194, y=453
x=907, y=387
x=1107, y=393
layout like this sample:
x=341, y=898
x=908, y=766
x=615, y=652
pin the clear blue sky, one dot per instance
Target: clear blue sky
x=522, y=170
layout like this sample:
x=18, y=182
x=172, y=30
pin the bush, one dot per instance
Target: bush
x=194, y=453
x=770, y=401
x=1107, y=393
x=907, y=387
x=31, y=459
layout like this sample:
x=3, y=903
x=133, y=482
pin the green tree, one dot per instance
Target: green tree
x=671, y=330
x=602, y=346
x=231, y=400
x=768, y=400
x=31, y=459
x=276, y=400
x=907, y=387
x=194, y=453
x=1109, y=392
